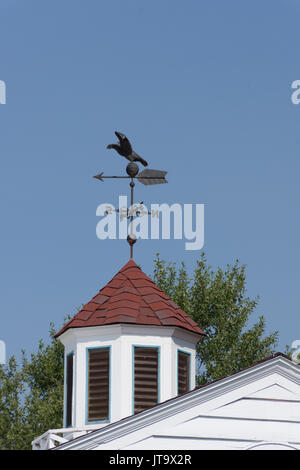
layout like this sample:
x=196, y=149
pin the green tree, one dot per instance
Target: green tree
x=31, y=395
x=43, y=376
x=12, y=429
x=217, y=301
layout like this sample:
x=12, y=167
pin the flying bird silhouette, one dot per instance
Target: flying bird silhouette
x=125, y=150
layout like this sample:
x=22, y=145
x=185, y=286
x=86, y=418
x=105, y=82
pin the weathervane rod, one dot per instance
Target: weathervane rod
x=131, y=217
x=132, y=170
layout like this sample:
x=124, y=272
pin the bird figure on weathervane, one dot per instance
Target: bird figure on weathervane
x=124, y=149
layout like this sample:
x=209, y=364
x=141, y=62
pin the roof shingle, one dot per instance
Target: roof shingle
x=131, y=297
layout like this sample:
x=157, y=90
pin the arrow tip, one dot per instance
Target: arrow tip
x=99, y=177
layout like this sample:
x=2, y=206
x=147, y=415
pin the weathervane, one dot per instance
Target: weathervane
x=147, y=177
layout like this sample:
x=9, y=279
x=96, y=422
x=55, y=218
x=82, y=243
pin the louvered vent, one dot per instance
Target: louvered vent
x=183, y=372
x=98, y=384
x=69, y=384
x=145, y=378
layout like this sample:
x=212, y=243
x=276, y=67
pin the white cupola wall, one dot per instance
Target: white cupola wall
x=128, y=349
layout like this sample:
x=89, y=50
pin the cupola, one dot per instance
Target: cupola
x=128, y=349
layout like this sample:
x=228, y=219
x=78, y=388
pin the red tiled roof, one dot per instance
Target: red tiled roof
x=131, y=297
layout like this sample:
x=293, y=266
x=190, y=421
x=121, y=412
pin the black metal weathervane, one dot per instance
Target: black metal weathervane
x=147, y=177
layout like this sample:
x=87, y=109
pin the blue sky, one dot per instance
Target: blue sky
x=203, y=89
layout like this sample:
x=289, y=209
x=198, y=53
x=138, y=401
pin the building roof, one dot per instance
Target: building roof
x=267, y=370
x=131, y=297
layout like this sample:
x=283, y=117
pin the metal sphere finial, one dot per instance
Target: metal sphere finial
x=132, y=169
x=131, y=239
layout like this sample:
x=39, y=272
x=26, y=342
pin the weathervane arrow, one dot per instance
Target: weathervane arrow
x=147, y=177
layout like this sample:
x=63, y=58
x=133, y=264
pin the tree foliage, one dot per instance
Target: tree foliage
x=31, y=395
x=12, y=422
x=217, y=301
